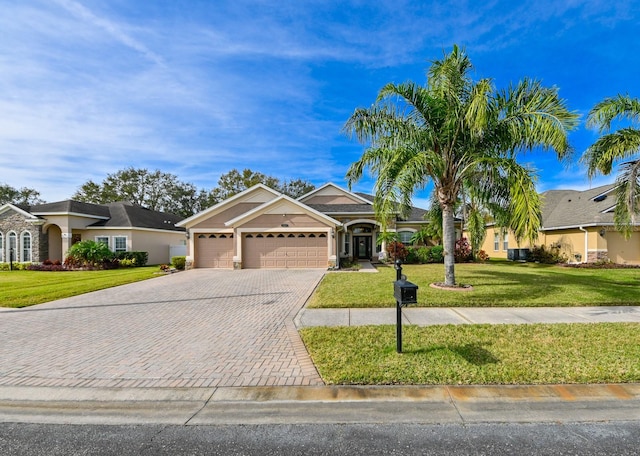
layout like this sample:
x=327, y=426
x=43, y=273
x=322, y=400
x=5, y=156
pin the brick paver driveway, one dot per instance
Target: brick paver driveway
x=192, y=329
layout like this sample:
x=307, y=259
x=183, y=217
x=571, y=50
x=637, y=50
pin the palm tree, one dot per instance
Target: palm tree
x=453, y=129
x=620, y=145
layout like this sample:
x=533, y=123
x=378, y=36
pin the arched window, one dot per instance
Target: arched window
x=405, y=237
x=222, y=236
x=12, y=246
x=212, y=236
x=1, y=248
x=202, y=236
x=26, y=247
x=301, y=235
x=249, y=236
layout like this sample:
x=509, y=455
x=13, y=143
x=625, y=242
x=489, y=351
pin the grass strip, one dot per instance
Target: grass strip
x=495, y=284
x=477, y=354
x=27, y=288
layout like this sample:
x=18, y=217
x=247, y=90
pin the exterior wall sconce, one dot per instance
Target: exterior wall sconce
x=187, y=235
x=601, y=232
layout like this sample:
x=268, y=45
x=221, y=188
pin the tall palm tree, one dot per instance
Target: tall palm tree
x=620, y=145
x=451, y=129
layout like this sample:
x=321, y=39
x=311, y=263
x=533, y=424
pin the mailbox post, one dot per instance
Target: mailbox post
x=405, y=293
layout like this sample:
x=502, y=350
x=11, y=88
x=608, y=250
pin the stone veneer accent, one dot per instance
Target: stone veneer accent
x=594, y=256
x=11, y=221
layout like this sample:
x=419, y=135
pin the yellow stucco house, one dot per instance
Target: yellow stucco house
x=580, y=223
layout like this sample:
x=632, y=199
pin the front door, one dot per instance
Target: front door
x=362, y=247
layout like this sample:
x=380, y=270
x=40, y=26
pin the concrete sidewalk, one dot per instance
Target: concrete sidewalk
x=322, y=404
x=424, y=316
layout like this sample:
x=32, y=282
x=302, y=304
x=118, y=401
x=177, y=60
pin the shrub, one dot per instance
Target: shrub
x=127, y=263
x=551, y=255
x=483, y=256
x=139, y=258
x=46, y=266
x=437, y=254
x=397, y=250
x=412, y=256
x=179, y=262
x=424, y=255
x=463, y=252
x=89, y=254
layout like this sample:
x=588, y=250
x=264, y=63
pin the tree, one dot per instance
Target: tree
x=235, y=182
x=451, y=129
x=614, y=147
x=155, y=190
x=21, y=197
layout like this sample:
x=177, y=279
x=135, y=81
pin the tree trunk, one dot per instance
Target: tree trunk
x=449, y=244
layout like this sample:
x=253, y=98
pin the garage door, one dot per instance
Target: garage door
x=214, y=251
x=285, y=250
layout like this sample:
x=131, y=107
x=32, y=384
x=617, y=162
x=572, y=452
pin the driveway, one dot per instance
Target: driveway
x=199, y=328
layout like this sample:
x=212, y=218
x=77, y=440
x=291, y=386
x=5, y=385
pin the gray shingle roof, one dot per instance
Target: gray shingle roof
x=563, y=208
x=67, y=206
x=416, y=214
x=120, y=214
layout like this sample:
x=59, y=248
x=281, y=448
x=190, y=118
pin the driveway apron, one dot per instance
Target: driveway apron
x=198, y=328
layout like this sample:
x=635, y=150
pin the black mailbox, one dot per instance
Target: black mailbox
x=405, y=292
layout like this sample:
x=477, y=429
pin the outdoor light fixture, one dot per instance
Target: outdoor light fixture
x=601, y=232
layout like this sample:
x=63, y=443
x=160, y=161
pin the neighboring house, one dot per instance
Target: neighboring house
x=46, y=231
x=580, y=223
x=261, y=228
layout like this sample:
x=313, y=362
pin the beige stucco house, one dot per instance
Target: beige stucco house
x=261, y=228
x=46, y=231
x=580, y=223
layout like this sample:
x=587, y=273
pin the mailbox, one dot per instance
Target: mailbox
x=405, y=292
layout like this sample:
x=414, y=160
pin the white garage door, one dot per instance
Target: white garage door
x=285, y=250
x=214, y=251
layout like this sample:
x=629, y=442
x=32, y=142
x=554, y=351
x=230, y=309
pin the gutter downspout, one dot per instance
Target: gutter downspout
x=586, y=244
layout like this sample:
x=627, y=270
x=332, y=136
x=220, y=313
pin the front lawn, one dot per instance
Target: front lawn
x=477, y=354
x=26, y=288
x=495, y=284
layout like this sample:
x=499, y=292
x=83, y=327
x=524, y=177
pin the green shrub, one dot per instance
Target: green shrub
x=412, y=256
x=437, y=254
x=139, y=258
x=179, y=262
x=90, y=254
x=544, y=255
x=127, y=263
x=424, y=255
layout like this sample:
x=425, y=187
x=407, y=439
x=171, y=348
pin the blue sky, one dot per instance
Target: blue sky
x=197, y=88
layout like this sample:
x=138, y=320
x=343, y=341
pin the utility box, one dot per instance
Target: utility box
x=405, y=292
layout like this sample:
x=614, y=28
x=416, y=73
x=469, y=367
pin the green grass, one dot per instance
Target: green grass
x=495, y=284
x=477, y=354
x=27, y=288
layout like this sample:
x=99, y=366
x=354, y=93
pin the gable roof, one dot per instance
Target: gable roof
x=258, y=193
x=20, y=210
x=333, y=190
x=281, y=200
x=574, y=208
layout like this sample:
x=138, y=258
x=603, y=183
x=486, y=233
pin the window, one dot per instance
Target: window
x=119, y=244
x=496, y=241
x=26, y=246
x=505, y=242
x=12, y=248
x=1, y=248
x=103, y=239
x=405, y=237
x=347, y=242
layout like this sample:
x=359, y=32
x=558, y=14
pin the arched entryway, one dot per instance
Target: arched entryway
x=54, y=239
x=360, y=239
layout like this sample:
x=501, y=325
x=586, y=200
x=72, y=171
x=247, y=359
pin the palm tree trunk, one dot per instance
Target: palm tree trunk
x=449, y=244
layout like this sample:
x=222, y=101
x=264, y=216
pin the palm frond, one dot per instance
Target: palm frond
x=618, y=107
